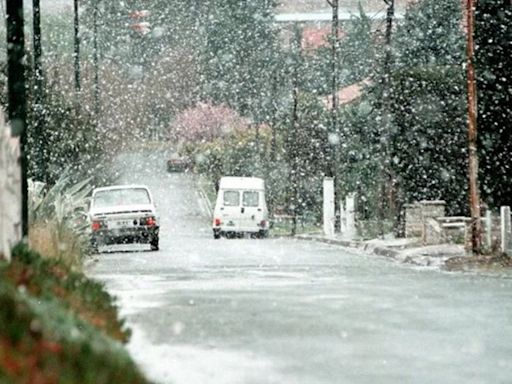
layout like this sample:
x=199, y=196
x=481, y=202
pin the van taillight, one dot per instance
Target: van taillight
x=150, y=221
x=217, y=222
x=263, y=223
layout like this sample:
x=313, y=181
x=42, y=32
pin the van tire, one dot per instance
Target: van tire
x=216, y=235
x=263, y=234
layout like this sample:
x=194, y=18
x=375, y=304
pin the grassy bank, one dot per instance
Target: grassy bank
x=57, y=326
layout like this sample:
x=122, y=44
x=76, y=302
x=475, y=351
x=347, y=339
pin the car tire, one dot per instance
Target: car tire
x=94, y=247
x=154, y=244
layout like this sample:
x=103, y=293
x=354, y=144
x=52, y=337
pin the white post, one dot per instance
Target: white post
x=10, y=187
x=328, y=206
x=343, y=217
x=505, y=229
x=488, y=229
x=4, y=249
x=350, y=232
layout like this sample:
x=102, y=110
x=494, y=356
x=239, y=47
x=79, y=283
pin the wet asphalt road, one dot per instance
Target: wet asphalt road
x=285, y=311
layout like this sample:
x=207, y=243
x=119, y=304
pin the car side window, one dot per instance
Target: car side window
x=250, y=199
x=231, y=198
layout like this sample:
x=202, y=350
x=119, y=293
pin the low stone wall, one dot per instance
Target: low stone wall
x=10, y=191
x=417, y=215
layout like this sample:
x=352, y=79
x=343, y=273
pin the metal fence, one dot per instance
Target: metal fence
x=10, y=191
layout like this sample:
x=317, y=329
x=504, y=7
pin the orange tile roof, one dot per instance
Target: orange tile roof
x=347, y=94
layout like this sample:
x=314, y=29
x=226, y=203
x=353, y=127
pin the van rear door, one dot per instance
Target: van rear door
x=251, y=210
x=230, y=209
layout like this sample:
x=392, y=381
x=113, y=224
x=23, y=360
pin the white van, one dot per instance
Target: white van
x=240, y=208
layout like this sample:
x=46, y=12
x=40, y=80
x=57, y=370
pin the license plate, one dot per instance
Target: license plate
x=121, y=224
x=231, y=224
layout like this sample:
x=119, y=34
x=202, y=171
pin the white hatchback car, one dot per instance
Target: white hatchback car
x=123, y=214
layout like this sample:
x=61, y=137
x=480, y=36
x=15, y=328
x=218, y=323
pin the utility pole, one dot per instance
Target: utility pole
x=474, y=195
x=294, y=169
x=17, y=99
x=334, y=68
x=96, y=62
x=38, y=92
x=77, y=47
x=334, y=137
x=386, y=72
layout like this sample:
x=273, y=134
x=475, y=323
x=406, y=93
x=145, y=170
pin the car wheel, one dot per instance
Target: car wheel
x=94, y=247
x=154, y=244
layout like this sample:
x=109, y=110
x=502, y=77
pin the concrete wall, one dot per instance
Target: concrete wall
x=10, y=191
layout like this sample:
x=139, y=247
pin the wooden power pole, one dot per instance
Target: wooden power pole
x=76, y=45
x=96, y=63
x=335, y=134
x=39, y=172
x=474, y=195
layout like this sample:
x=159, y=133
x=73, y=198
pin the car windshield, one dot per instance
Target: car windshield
x=127, y=196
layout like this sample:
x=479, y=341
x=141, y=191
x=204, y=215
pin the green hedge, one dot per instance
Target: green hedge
x=58, y=326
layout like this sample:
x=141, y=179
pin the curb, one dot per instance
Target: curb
x=377, y=250
x=202, y=194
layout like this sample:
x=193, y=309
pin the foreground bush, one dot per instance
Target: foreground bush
x=58, y=219
x=56, y=326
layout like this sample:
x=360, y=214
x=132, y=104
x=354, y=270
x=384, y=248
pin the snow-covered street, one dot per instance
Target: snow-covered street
x=287, y=311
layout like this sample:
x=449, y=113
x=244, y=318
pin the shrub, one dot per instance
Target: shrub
x=58, y=219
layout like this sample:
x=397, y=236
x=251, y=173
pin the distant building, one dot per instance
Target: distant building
x=316, y=26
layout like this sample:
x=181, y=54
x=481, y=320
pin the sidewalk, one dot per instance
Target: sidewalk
x=402, y=250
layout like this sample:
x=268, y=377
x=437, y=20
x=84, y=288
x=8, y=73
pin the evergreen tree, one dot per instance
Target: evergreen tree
x=237, y=59
x=493, y=42
x=427, y=130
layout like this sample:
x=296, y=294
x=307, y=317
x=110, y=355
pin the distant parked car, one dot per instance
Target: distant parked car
x=177, y=164
x=122, y=214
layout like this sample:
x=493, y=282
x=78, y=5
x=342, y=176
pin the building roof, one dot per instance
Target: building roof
x=348, y=94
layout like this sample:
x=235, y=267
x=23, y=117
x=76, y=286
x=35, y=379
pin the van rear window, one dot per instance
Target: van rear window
x=231, y=198
x=250, y=199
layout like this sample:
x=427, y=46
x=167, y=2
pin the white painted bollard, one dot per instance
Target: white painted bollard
x=506, y=229
x=10, y=191
x=4, y=248
x=350, y=231
x=328, y=206
x=343, y=217
x=488, y=229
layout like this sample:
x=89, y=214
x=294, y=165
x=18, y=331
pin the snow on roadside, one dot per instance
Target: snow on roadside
x=431, y=255
x=190, y=364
